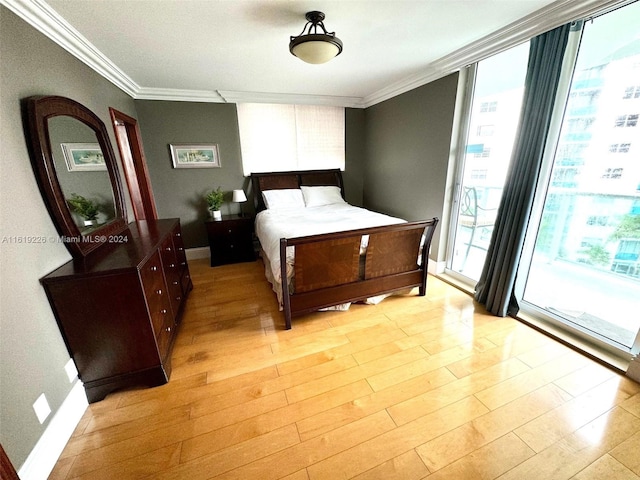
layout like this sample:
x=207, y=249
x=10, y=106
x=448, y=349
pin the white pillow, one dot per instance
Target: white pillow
x=290, y=198
x=317, y=196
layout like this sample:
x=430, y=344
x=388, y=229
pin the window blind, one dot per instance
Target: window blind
x=276, y=137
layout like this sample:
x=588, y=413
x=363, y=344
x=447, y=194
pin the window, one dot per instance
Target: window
x=626, y=120
x=631, y=92
x=601, y=220
x=498, y=80
x=619, y=148
x=612, y=173
x=479, y=174
x=486, y=107
x=583, y=270
x=290, y=137
x=485, y=130
x=580, y=267
x=485, y=153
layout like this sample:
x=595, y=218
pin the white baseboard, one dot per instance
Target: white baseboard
x=198, y=252
x=45, y=454
x=435, y=268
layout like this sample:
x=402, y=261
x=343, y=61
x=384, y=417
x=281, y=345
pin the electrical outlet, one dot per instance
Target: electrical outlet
x=71, y=370
x=42, y=409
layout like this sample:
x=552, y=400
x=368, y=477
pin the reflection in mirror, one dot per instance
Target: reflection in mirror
x=82, y=172
x=76, y=172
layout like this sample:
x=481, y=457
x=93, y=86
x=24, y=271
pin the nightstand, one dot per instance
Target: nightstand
x=230, y=239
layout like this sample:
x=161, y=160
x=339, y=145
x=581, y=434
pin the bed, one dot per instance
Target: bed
x=322, y=253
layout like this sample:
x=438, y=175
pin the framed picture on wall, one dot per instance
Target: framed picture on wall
x=195, y=156
x=83, y=157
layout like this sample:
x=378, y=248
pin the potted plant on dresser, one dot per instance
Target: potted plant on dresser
x=214, y=201
x=84, y=207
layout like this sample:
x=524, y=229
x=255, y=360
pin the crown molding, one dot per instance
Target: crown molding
x=540, y=21
x=290, y=99
x=174, y=94
x=46, y=20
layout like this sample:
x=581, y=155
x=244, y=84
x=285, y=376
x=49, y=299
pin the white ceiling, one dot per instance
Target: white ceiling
x=237, y=50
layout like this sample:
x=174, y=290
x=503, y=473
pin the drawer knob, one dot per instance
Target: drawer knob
x=183, y=263
x=229, y=230
x=180, y=249
x=178, y=234
x=172, y=265
x=163, y=311
x=175, y=283
x=231, y=246
x=169, y=329
x=168, y=249
x=178, y=298
x=154, y=268
x=159, y=291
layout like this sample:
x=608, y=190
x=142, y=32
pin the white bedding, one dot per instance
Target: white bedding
x=272, y=225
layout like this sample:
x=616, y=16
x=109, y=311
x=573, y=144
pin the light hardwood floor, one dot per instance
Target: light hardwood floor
x=415, y=387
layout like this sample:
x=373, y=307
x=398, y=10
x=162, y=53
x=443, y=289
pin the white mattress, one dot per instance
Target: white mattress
x=272, y=225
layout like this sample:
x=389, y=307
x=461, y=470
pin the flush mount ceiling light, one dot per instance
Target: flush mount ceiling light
x=314, y=47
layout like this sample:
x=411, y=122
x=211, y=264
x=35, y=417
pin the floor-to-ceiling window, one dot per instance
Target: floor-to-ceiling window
x=585, y=266
x=581, y=263
x=493, y=117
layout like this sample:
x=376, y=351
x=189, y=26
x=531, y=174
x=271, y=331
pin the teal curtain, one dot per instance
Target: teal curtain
x=496, y=284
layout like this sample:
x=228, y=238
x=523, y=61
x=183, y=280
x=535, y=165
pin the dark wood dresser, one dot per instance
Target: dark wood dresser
x=230, y=240
x=119, y=308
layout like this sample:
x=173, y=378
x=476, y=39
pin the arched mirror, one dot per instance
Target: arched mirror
x=76, y=171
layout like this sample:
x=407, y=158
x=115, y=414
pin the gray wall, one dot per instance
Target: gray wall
x=408, y=140
x=32, y=352
x=179, y=192
x=355, y=156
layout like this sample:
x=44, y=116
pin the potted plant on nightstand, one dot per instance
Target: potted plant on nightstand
x=84, y=207
x=214, y=201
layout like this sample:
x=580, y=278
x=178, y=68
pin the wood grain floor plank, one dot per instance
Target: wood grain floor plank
x=505, y=453
x=606, y=468
x=261, y=423
x=552, y=426
x=572, y=454
x=487, y=428
x=312, y=426
x=633, y=405
x=382, y=448
x=628, y=453
x=315, y=450
x=407, y=466
x=414, y=387
x=429, y=401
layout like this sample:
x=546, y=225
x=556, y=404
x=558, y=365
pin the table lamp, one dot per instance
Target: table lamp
x=239, y=197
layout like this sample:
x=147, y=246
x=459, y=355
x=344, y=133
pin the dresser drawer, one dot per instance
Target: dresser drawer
x=172, y=272
x=178, y=244
x=155, y=292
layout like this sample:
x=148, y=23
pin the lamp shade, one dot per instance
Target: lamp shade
x=239, y=196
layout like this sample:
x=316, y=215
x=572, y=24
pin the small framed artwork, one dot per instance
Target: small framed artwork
x=83, y=157
x=195, y=156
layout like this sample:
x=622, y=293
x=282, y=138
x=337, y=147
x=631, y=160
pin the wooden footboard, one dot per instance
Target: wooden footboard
x=329, y=269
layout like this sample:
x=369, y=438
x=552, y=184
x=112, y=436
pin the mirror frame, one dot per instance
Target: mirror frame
x=39, y=110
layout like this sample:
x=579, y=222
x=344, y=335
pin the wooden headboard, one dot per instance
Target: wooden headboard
x=282, y=180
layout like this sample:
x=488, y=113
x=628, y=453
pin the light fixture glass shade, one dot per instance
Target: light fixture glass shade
x=239, y=196
x=315, y=51
x=314, y=44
